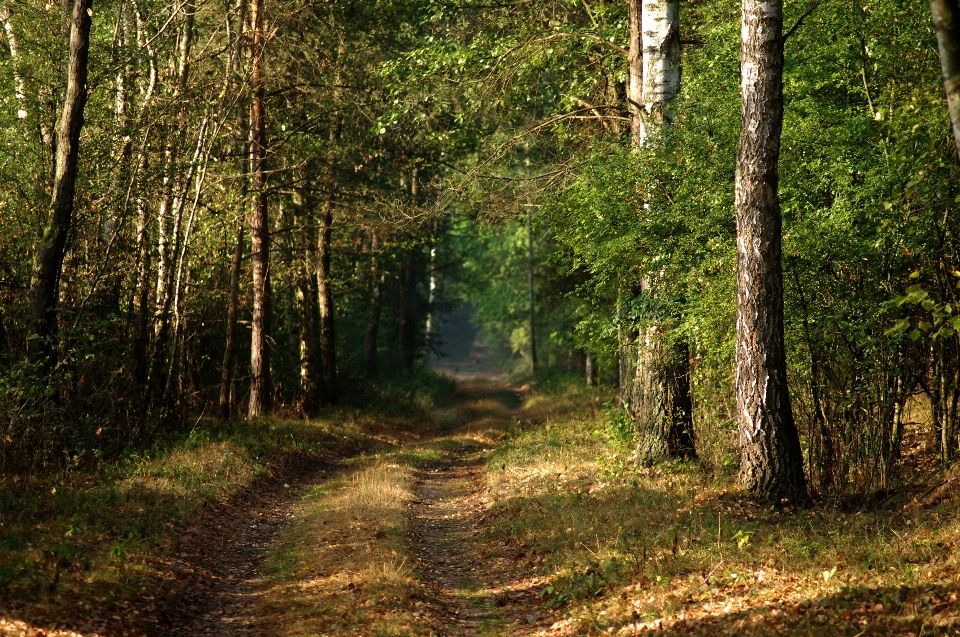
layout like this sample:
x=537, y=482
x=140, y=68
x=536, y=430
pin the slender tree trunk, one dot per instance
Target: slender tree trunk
x=657, y=391
x=169, y=215
x=946, y=22
x=286, y=222
x=661, y=64
x=311, y=363
x=328, y=343
x=588, y=365
x=373, y=322
x=771, y=460
x=230, y=350
x=635, y=70
x=530, y=294
x=431, y=297
x=48, y=263
x=141, y=327
x=19, y=87
x=261, y=387
x=407, y=328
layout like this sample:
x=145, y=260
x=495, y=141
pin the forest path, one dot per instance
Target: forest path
x=482, y=590
x=400, y=543
x=470, y=582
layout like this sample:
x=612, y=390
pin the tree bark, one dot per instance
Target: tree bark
x=771, y=460
x=230, y=349
x=635, y=69
x=376, y=303
x=661, y=401
x=946, y=22
x=530, y=291
x=19, y=87
x=308, y=306
x=261, y=387
x=407, y=328
x=660, y=21
x=588, y=368
x=328, y=343
x=48, y=263
x=656, y=372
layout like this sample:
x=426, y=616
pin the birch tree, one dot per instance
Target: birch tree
x=771, y=461
x=655, y=389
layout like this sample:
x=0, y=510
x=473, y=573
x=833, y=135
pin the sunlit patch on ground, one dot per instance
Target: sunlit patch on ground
x=340, y=567
x=673, y=551
x=17, y=628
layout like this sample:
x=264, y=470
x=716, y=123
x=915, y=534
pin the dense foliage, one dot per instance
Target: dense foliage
x=407, y=144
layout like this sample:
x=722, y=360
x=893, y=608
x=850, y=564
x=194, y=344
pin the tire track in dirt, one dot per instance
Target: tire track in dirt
x=483, y=589
x=218, y=565
x=443, y=522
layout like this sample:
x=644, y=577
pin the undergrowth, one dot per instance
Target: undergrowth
x=677, y=550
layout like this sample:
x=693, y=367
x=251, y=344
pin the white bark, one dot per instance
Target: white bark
x=19, y=87
x=660, y=21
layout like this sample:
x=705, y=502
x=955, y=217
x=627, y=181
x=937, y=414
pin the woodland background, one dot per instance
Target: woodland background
x=395, y=159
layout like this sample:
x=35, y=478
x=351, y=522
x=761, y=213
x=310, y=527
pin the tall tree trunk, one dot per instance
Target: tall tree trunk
x=946, y=22
x=311, y=363
x=657, y=392
x=530, y=293
x=373, y=322
x=635, y=69
x=589, y=369
x=261, y=387
x=431, y=298
x=141, y=318
x=48, y=263
x=230, y=349
x=771, y=460
x=328, y=343
x=407, y=328
x=661, y=64
x=19, y=88
x=174, y=188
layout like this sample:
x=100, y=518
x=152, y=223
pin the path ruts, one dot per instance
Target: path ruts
x=483, y=588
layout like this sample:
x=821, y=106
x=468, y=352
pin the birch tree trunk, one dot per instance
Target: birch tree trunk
x=771, y=461
x=660, y=21
x=635, y=69
x=261, y=387
x=407, y=327
x=311, y=364
x=328, y=343
x=530, y=293
x=946, y=22
x=656, y=391
x=48, y=263
x=19, y=88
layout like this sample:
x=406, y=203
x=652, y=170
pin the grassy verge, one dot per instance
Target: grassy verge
x=85, y=545
x=671, y=550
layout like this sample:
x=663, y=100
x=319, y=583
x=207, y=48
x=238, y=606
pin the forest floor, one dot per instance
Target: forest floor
x=502, y=510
